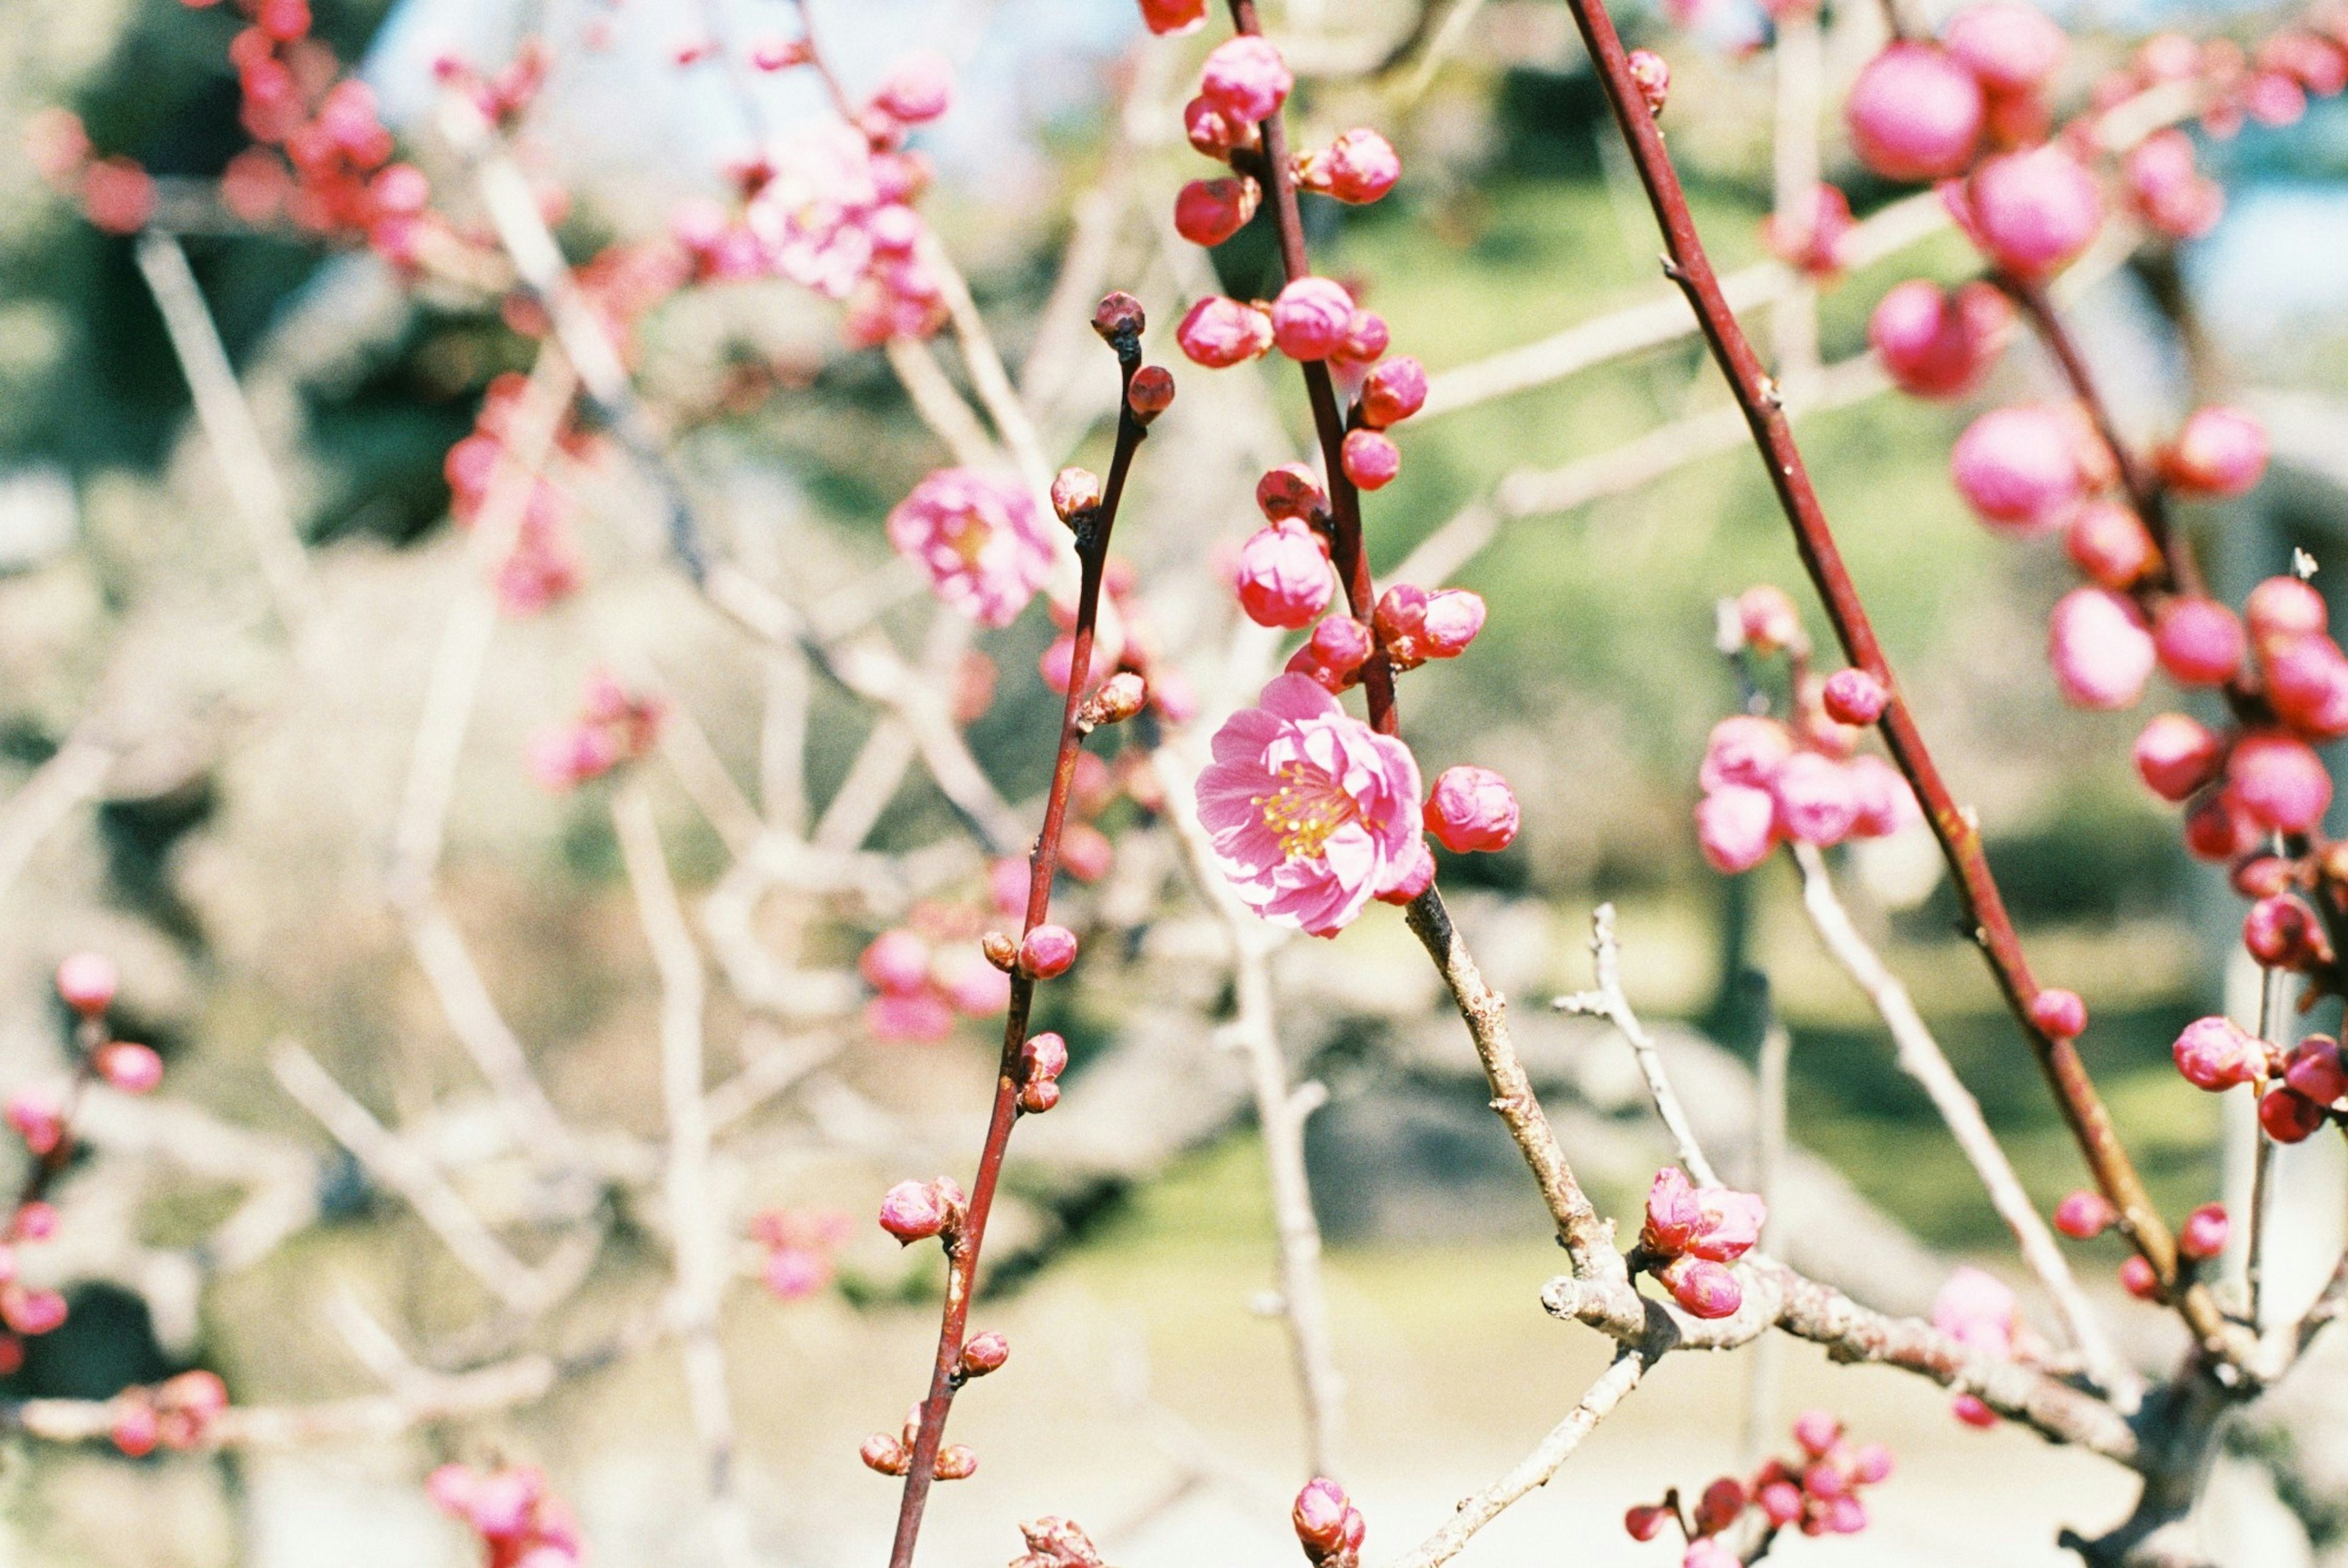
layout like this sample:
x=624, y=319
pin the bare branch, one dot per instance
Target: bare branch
x=1609, y=1004
x=72, y=775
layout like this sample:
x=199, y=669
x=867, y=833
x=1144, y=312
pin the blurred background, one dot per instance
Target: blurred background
x=213, y=799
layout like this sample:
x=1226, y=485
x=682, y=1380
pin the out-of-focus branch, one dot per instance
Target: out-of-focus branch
x=1772, y=1070
x=229, y=425
x=1799, y=56
x=72, y=775
x=696, y=1221
x=1920, y=1056
x=1607, y=1001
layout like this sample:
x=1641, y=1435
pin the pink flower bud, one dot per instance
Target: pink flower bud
x=1213, y=133
x=1219, y=333
x=1370, y=460
x=1319, y=1515
x=910, y=1211
x=1119, y=315
x=1811, y=232
x=1646, y=1521
x=34, y=1220
x=2284, y=607
x=1717, y=1509
x=1334, y=654
x=1171, y=18
x=1824, y=1481
x=1940, y=346
x=2198, y=640
x=2307, y=684
x=896, y=962
x=2289, y=1116
x=1885, y=804
x=36, y=1119
x=86, y=983
x=2279, y=931
x=1367, y=338
x=984, y=1353
x=1816, y=802
x=32, y=1313
x=1047, y=951
x=1290, y=490
x=2175, y=755
x=1781, y=1501
x=956, y=1461
x=1074, y=491
x=1310, y=317
x=1711, y=1551
x=2058, y=1013
x=1769, y=620
x=1472, y=808
x=2011, y=47
x=2280, y=781
x=2083, y=1216
x=2031, y=212
x=1651, y=75
x=2218, y=828
x=2220, y=452
x=1914, y=113
x=2317, y=1071
x=1002, y=950
x=884, y=1453
x=1844, y=1516
x=1283, y=577
x=2213, y=1053
x=1121, y=697
x=2099, y=647
x=1043, y=1056
x=1736, y=826
x=1970, y=1409
x=1394, y=391
x=1454, y=616
x=2110, y=544
x=132, y=1069
x=2018, y=468
x=1245, y=78
x=1150, y=393
x=1209, y=211
x=2203, y=1234
x=1745, y=749
x=2138, y=1280
x=795, y=1273
x=919, y=89
x=1704, y=1288
x=1360, y=165
x=2167, y=190
x=1854, y=696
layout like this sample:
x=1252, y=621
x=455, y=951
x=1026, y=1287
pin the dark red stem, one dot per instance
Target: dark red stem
x=965, y=1243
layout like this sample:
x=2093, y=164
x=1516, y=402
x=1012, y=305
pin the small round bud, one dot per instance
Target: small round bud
x=1395, y=390
x=1333, y=656
x=1001, y=950
x=883, y=1453
x=2316, y=1069
x=1970, y=1409
x=1854, y=696
x=1370, y=460
x=1074, y=491
x=2213, y=1053
x=2280, y=781
x=1359, y=166
x=1119, y=315
x=1171, y=18
x=2059, y=1013
x=35, y=1221
x=2083, y=1216
x=2289, y=1116
x=910, y=1211
x=2100, y=648
x=1150, y=393
x=956, y=1461
x=1873, y=1465
x=2138, y=1280
x=1040, y=1096
x=1781, y=1501
x=1209, y=211
x=2198, y=640
x=1219, y=332
x=1246, y=78
x=983, y=1353
x=2175, y=755
x=1047, y=951
x=1717, y=1509
x=1043, y=1056
x=1121, y=697
x=86, y=983
x=1283, y=577
x=1646, y=1521
x=2110, y=544
x=1816, y=1431
x=1213, y=133
x=132, y=1069
x=2280, y=932
x=1702, y=1287
x=1653, y=76
x=134, y=1428
x=2261, y=876
x=1319, y=1515
x=1290, y=490
x=1310, y=317
x=2203, y=1234
x=2285, y=607
x=2220, y=452
x=1914, y=113
x=1470, y=809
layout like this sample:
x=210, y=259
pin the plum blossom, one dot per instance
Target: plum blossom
x=980, y=539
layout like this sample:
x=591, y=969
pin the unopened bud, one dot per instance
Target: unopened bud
x=1150, y=393
x=1043, y=1057
x=86, y=983
x=1119, y=315
x=2138, y=1278
x=984, y=1353
x=1291, y=491
x=910, y=1211
x=2203, y=1234
x=956, y=1462
x=1074, y=491
x=1001, y=950
x=1320, y=1516
x=2083, y=1215
x=1653, y=77
x=1854, y=696
x=132, y=1069
x=883, y=1453
x=1645, y=1521
x=2059, y=1013
x=1047, y=951
x=1121, y=697
x=1039, y=1096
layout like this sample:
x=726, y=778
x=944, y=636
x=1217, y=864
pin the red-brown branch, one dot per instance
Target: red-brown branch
x=968, y=1236
x=1992, y=930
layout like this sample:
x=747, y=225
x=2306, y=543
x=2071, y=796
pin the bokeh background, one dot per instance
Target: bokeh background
x=232, y=854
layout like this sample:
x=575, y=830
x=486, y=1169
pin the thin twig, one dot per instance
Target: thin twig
x=2274, y=1025
x=1765, y=1374
x=1607, y=1001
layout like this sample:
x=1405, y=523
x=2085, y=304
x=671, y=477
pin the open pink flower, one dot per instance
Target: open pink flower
x=1312, y=812
x=980, y=539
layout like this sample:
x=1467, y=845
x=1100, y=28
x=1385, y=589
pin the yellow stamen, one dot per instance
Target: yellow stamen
x=1305, y=810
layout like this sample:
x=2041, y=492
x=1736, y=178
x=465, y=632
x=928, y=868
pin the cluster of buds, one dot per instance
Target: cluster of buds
x=916, y=1211
x=543, y=566
x=894, y=1455
x=521, y=1522
x=2299, y=1090
x=1816, y=1492
x=1328, y=1526
x=925, y=972
x=117, y=194
x=177, y=1414
x=614, y=725
x=1692, y=1235
x=86, y=983
x=1055, y=1542
x=1980, y=1312
x=2083, y=1215
x=1042, y=1060
x=1767, y=781
x=799, y=1245
x=1124, y=644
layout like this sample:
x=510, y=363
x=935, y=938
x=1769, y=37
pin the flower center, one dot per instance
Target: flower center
x=967, y=534
x=1306, y=808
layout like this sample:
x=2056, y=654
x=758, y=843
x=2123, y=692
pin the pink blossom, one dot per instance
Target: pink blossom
x=2011, y=47
x=1472, y=808
x=795, y=1273
x=1245, y=78
x=919, y=89
x=1936, y=344
x=2031, y=211
x=1816, y=802
x=2279, y=782
x=2307, y=682
x=2198, y=640
x=1209, y=211
x=1313, y=812
x=2018, y=468
x=86, y=983
x=2220, y=452
x=2085, y=1215
x=2284, y=607
x=1416, y=625
x=1283, y=577
x=980, y=539
x=1718, y=1223
x=1394, y=391
x=2203, y=1234
x=975, y=987
x=1704, y=1288
x=131, y=1068
x=918, y=1018
x=1219, y=333
x=1310, y=317
x=37, y=1118
x=1736, y=826
x=1371, y=460
x=2213, y=1053
x=810, y=216
x=1854, y=696
x=1169, y=18
x=1914, y=113
x=1334, y=655
x=1885, y=804
x=1811, y=235
x=2110, y=544
x=2100, y=648
x=1978, y=1310
x=1745, y=749
x=1360, y=165
x=2167, y=190
x=896, y=961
